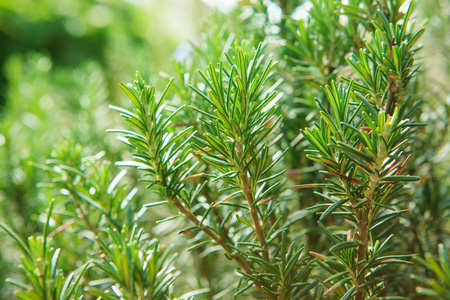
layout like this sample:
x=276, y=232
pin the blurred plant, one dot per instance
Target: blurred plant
x=40, y=266
x=35, y=119
x=89, y=194
x=137, y=267
x=429, y=215
x=438, y=288
x=320, y=44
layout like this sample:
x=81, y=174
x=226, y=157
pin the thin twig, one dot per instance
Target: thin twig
x=247, y=189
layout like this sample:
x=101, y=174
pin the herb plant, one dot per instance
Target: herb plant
x=284, y=159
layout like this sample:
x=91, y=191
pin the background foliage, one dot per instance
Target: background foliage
x=86, y=227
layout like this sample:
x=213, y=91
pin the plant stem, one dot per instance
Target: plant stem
x=207, y=194
x=363, y=219
x=247, y=189
x=254, y=214
x=237, y=257
x=79, y=209
x=190, y=216
x=390, y=104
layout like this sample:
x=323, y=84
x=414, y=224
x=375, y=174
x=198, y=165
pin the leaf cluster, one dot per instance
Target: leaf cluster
x=39, y=264
x=365, y=145
x=137, y=267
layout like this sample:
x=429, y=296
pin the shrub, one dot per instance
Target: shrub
x=284, y=160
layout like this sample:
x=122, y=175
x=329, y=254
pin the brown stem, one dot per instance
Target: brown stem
x=390, y=104
x=247, y=189
x=363, y=218
x=237, y=257
x=84, y=216
x=207, y=194
x=190, y=216
x=283, y=5
x=254, y=213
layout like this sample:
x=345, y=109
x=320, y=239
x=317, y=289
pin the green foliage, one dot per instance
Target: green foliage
x=157, y=150
x=87, y=190
x=363, y=142
x=438, y=288
x=234, y=145
x=138, y=267
x=320, y=43
x=328, y=97
x=45, y=280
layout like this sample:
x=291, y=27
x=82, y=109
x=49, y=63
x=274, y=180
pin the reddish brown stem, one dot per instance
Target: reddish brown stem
x=190, y=216
x=363, y=217
x=247, y=189
x=254, y=214
x=238, y=258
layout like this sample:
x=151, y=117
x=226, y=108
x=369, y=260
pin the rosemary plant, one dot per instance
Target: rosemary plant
x=364, y=142
x=234, y=144
x=265, y=100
